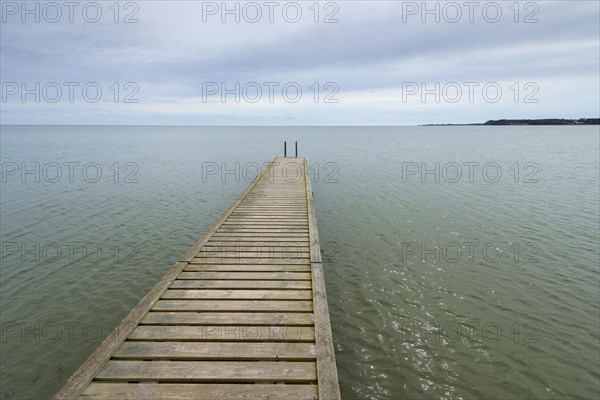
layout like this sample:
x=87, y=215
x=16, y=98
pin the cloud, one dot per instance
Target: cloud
x=165, y=60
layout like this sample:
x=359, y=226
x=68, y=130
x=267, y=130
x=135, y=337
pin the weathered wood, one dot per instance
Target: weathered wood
x=248, y=240
x=274, y=224
x=253, y=227
x=234, y=294
x=220, y=333
x=263, y=247
x=272, y=209
x=223, y=260
x=216, y=318
x=239, y=284
x=270, y=254
x=237, y=250
x=265, y=225
x=232, y=305
x=326, y=367
x=261, y=276
x=197, y=391
x=269, y=222
x=264, y=351
x=291, y=257
x=259, y=228
x=259, y=243
x=285, y=236
x=264, y=217
x=216, y=371
x=245, y=306
x=248, y=268
x=264, y=214
x=267, y=255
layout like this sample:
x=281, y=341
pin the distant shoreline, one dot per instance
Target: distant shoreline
x=549, y=121
x=500, y=122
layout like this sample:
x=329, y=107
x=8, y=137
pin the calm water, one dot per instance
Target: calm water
x=461, y=283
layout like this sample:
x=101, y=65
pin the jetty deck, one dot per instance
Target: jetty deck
x=242, y=315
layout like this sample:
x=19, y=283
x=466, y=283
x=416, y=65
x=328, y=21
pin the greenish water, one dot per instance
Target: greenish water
x=476, y=285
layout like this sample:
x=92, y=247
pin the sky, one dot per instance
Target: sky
x=297, y=63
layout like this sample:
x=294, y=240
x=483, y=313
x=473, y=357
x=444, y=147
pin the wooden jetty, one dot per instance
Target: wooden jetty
x=242, y=315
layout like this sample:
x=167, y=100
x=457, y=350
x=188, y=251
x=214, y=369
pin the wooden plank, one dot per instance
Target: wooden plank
x=268, y=256
x=224, y=333
x=235, y=248
x=259, y=235
x=243, y=240
x=199, y=351
x=271, y=202
x=266, y=217
x=274, y=276
x=273, y=211
x=264, y=210
x=289, y=257
x=267, y=225
x=274, y=202
x=254, y=227
x=269, y=229
x=276, y=191
x=248, y=268
x=268, y=205
x=326, y=366
x=264, y=214
x=252, y=236
x=217, y=318
x=197, y=391
x=244, y=205
x=270, y=212
x=245, y=237
x=258, y=244
x=255, y=246
x=265, y=231
x=274, y=217
x=233, y=305
x=269, y=216
x=252, y=260
x=237, y=294
x=212, y=244
x=214, y=371
x=239, y=284
x=266, y=221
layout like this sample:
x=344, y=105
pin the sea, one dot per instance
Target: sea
x=460, y=261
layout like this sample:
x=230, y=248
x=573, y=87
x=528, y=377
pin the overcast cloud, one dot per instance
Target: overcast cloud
x=537, y=60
